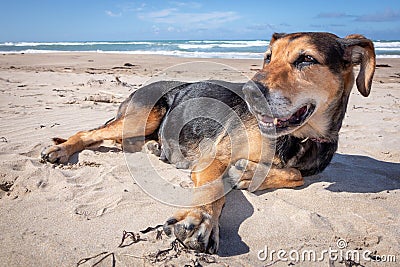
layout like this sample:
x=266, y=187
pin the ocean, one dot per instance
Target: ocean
x=189, y=48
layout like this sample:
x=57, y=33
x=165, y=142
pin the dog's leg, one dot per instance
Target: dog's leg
x=242, y=174
x=140, y=122
x=198, y=227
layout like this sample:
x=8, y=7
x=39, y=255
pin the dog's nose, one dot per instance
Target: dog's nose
x=263, y=100
x=254, y=90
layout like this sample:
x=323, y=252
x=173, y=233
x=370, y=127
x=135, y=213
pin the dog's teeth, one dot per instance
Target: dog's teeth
x=275, y=121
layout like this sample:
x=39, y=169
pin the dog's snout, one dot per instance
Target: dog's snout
x=254, y=90
x=263, y=100
x=256, y=96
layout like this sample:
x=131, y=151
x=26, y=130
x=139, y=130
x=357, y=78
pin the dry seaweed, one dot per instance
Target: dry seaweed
x=175, y=250
x=108, y=254
x=131, y=237
x=150, y=229
x=84, y=260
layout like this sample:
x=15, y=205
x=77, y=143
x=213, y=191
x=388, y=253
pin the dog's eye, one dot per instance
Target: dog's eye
x=304, y=61
x=267, y=58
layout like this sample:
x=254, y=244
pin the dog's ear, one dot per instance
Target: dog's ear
x=360, y=50
x=276, y=36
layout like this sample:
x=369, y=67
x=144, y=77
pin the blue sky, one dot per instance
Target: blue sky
x=94, y=20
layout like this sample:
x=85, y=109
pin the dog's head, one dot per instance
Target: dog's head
x=305, y=82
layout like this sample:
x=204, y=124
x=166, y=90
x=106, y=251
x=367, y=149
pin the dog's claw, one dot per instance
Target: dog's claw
x=167, y=228
x=196, y=231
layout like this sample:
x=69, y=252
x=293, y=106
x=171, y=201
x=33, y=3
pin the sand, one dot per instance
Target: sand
x=52, y=215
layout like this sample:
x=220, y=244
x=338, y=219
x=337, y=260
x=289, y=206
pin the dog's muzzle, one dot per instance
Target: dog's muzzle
x=276, y=114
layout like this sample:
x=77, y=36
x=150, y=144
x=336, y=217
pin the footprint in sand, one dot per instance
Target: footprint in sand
x=98, y=208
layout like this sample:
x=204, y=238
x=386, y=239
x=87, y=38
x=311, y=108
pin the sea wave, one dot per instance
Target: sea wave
x=21, y=44
x=182, y=48
x=249, y=42
x=387, y=44
x=178, y=53
x=196, y=46
x=387, y=49
x=388, y=56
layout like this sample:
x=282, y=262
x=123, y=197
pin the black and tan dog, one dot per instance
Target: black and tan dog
x=289, y=114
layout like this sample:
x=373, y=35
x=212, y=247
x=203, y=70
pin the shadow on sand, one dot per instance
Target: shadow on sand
x=346, y=173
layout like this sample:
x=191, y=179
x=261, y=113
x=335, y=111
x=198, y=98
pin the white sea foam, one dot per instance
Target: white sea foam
x=223, y=44
x=387, y=49
x=387, y=44
x=237, y=55
x=251, y=42
x=196, y=46
x=388, y=56
x=200, y=49
x=189, y=45
x=19, y=44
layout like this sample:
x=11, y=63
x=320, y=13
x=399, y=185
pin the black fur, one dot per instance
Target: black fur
x=310, y=157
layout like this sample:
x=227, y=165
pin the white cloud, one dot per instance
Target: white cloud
x=155, y=29
x=333, y=15
x=193, y=5
x=173, y=16
x=161, y=13
x=112, y=14
x=262, y=27
x=387, y=15
x=141, y=7
x=132, y=7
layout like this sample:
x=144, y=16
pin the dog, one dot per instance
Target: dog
x=285, y=120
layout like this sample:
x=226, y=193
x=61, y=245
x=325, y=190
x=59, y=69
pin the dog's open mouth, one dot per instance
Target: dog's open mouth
x=269, y=124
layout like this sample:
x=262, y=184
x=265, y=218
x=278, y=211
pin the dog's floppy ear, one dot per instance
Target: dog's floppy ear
x=360, y=50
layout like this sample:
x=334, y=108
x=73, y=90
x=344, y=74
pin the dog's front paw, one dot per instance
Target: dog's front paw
x=55, y=154
x=152, y=147
x=196, y=229
x=241, y=174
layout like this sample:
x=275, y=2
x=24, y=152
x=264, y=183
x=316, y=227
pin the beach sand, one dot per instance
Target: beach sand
x=61, y=215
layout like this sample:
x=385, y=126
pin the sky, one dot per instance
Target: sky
x=124, y=20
